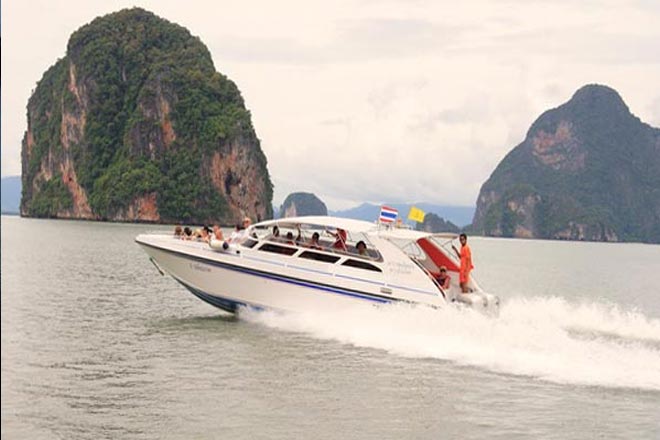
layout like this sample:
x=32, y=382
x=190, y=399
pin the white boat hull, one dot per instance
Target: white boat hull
x=229, y=286
x=261, y=271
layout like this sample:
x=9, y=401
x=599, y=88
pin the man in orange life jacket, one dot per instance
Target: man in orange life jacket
x=466, y=263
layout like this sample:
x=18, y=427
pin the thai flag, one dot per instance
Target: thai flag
x=387, y=214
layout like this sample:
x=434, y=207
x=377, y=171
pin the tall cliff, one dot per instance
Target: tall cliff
x=302, y=203
x=587, y=170
x=135, y=124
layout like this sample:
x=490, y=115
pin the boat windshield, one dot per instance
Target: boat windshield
x=445, y=244
x=409, y=247
x=431, y=251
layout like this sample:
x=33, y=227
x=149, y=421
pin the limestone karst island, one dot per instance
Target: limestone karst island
x=135, y=124
x=587, y=170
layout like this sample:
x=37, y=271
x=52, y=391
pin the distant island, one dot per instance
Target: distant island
x=434, y=223
x=135, y=124
x=457, y=215
x=587, y=170
x=302, y=203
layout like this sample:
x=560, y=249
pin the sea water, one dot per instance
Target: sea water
x=96, y=344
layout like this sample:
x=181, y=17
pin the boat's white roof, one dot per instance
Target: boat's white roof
x=409, y=234
x=325, y=221
x=353, y=225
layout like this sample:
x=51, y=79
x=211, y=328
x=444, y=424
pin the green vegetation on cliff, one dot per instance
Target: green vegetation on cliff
x=53, y=198
x=142, y=110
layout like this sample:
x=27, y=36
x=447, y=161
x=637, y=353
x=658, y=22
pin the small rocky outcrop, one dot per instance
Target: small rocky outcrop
x=135, y=124
x=587, y=170
x=302, y=203
x=434, y=223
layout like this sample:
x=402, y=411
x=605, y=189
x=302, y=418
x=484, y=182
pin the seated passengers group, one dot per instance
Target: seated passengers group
x=314, y=242
x=208, y=234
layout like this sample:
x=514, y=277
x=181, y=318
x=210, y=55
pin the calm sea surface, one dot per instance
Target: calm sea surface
x=96, y=344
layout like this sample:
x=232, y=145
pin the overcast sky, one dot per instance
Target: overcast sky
x=371, y=100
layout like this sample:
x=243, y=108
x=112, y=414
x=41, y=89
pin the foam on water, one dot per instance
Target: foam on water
x=545, y=337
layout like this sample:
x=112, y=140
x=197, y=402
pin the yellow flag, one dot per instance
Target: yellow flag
x=416, y=214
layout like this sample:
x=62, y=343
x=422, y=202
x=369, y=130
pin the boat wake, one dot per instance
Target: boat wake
x=549, y=338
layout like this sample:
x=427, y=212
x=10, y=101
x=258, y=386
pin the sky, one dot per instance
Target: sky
x=378, y=101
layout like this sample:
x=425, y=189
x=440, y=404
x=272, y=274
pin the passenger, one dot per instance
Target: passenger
x=466, y=263
x=340, y=239
x=236, y=234
x=276, y=233
x=217, y=239
x=241, y=231
x=178, y=231
x=289, y=238
x=314, y=242
x=217, y=233
x=187, y=233
x=443, y=278
x=362, y=248
x=246, y=225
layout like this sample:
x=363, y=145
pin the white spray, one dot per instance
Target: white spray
x=544, y=337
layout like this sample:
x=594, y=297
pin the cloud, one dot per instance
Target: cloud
x=474, y=111
x=390, y=38
x=352, y=41
x=576, y=44
x=383, y=99
x=267, y=50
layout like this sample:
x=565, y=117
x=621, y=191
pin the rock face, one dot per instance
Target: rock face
x=434, y=223
x=135, y=124
x=301, y=203
x=587, y=170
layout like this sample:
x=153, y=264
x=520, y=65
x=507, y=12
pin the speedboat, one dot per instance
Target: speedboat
x=316, y=263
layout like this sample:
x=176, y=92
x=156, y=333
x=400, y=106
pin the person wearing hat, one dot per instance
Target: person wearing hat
x=443, y=278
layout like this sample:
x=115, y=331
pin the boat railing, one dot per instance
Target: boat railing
x=160, y=232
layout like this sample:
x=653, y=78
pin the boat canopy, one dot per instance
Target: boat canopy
x=354, y=226
x=323, y=221
x=411, y=235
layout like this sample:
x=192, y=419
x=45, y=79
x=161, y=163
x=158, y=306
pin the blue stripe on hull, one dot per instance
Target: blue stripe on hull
x=222, y=303
x=229, y=305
